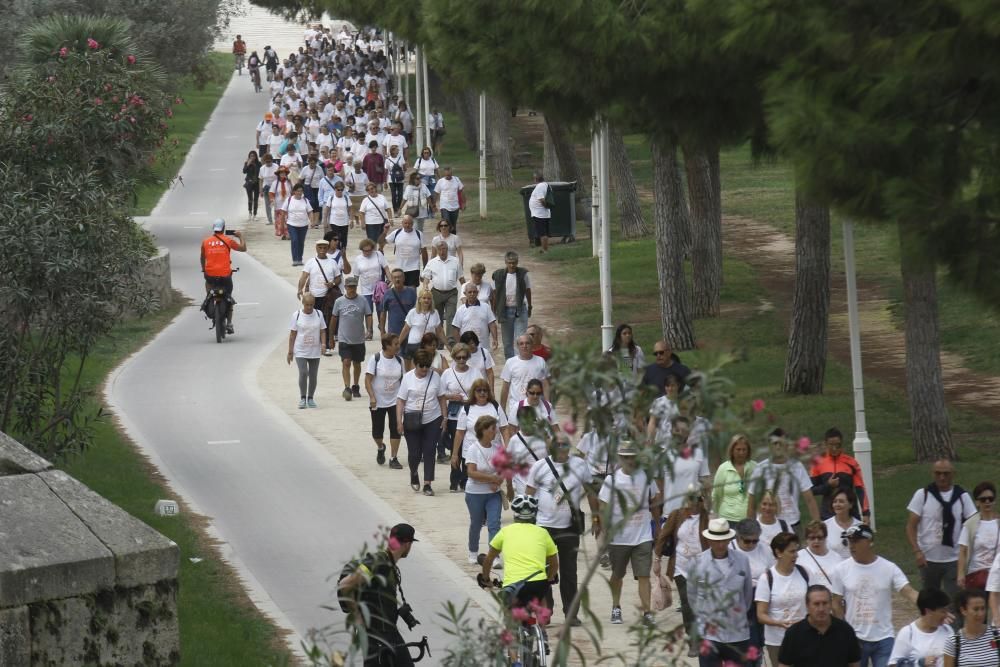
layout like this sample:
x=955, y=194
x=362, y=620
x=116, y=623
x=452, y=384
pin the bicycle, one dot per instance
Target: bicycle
x=255, y=79
x=422, y=646
x=532, y=646
x=240, y=59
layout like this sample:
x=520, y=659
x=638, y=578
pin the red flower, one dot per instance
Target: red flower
x=98, y=101
x=686, y=452
x=569, y=427
x=28, y=117
x=520, y=614
x=393, y=543
x=63, y=52
x=170, y=113
x=92, y=44
x=803, y=444
x=706, y=647
x=107, y=88
x=506, y=637
x=753, y=653
x=130, y=59
x=758, y=405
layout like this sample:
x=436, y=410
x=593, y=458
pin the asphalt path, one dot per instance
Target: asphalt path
x=287, y=512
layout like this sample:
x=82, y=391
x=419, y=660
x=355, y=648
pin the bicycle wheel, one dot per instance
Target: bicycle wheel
x=220, y=322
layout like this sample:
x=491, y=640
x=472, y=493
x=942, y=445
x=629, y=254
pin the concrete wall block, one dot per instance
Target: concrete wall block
x=16, y=459
x=45, y=551
x=15, y=637
x=142, y=555
x=157, y=277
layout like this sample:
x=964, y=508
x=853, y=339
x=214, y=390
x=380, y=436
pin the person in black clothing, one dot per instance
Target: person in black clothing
x=374, y=585
x=820, y=639
x=667, y=363
x=251, y=182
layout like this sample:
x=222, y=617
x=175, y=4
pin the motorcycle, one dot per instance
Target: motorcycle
x=216, y=306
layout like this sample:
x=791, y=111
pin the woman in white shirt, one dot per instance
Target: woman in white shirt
x=421, y=320
x=297, y=209
x=482, y=491
x=479, y=358
x=427, y=167
x=817, y=556
x=383, y=376
x=767, y=517
x=924, y=638
x=480, y=403
x=417, y=198
x=339, y=205
x=429, y=344
x=280, y=192
x=369, y=267
x=306, y=340
x=457, y=381
x=977, y=547
x=420, y=395
x=683, y=529
x=842, y=503
x=375, y=211
x=781, y=593
x=454, y=243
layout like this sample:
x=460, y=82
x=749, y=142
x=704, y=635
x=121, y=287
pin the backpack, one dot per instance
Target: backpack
x=396, y=172
x=770, y=577
x=378, y=357
x=349, y=568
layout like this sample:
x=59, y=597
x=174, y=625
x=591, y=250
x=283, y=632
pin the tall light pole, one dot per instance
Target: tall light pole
x=405, y=74
x=595, y=190
x=604, y=258
x=862, y=444
x=421, y=114
x=482, y=156
x=427, y=96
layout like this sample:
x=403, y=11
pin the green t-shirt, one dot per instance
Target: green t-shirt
x=525, y=548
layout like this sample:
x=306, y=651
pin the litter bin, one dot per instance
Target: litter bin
x=563, y=222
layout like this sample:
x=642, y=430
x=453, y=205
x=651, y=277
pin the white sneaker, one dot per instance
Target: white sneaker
x=473, y=558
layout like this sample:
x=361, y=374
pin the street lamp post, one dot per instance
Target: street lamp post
x=482, y=156
x=604, y=258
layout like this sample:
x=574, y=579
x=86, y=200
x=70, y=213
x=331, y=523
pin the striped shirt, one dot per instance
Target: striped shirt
x=983, y=651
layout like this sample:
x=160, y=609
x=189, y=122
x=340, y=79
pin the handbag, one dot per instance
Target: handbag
x=414, y=419
x=578, y=520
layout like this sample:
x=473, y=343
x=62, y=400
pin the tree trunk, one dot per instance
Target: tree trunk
x=569, y=166
x=704, y=193
x=498, y=138
x=924, y=385
x=805, y=365
x=623, y=184
x=550, y=161
x=467, y=103
x=670, y=214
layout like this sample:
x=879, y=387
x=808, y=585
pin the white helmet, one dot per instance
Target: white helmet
x=524, y=507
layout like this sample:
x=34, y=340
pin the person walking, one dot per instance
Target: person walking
x=444, y=276
x=835, y=470
x=511, y=301
x=376, y=214
x=397, y=303
x=922, y=642
x=977, y=548
x=352, y=320
x=280, y=194
x=420, y=405
x=480, y=403
x=395, y=165
x=780, y=593
x=729, y=490
x=337, y=210
x=408, y=245
x=977, y=643
x=681, y=536
x=820, y=639
x=450, y=198
x=321, y=275
x=267, y=175
x=666, y=363
x=251, y=183
x=419, y=322
x=788, y=478
x=518, y=372
x=457, y=382
x=306, y=340
x=626, y=352
x=843, y=506
x=817, y=556
x=417, y=200
x=540, y=202
x=383, y=376
x=297, y=210
x=482, y=490
x=453, y=241
x=474, y=315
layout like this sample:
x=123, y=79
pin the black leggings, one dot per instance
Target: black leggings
x=378, y=423
x=568, y=544
x=397, y=195
x=420, y=445
x=253, y=196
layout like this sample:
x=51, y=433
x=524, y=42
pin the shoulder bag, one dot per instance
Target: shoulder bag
x=413, y=420
x=578, y=520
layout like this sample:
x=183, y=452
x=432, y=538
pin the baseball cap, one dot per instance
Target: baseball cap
x=627, y=451
x=322, y=242
x=403, y=532
x=218, y=225
x=268, y=116
x=351, y=280
x=859, y=532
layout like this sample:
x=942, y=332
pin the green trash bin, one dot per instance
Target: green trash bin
x=563, y=223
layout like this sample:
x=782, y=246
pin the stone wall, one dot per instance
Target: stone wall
x=157, y=277
x=81, y=581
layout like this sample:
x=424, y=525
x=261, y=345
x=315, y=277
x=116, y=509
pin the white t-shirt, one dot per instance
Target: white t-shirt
x=535, y=203
x=820, y=567
x=317, y=285
x=274, y=144
x=931, y=526
x=407, y=245
x=481, y=360
x=768, y=531
x=518, y=372
x=913, y=643
x=267, y=174
x=454, y=243
x=634, y=492
x=340, y=210
x=413, y=390
x=385, y=379
x=760, y=558
x=485, y=289
x=307, y=327
x=834, y=541
x=475, y=318
x=553, y=507
x=510, y=289
x=425, y=167
x=467, y=423
x=368, y=270
x=482, y=457
x=420, y=324
x=521, y=447
x=681, y=474
x=447, y=192
x=456, y=382
x=543, y=412
x=688, y=545
x=786, y=601
x=664, y=410
x=374, y=209
x=397, y=140
x=984, y=545
x=788, y=479
x=867, y=590
x=443, y=274
x=595, y=451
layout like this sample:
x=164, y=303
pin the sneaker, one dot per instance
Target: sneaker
x=443, y=458
x=311, y=403
x=452, y=489
x=616, y=616
x=355, y=391
x=346, y=394
x=415, y=482
x=395, y=464
x=327, y=353
x=605, y=561
x=649, y=620
x=473, y=558
x=302, y=404
x=692, y=650
x=380, y=457
x=575, y=622
x=428, y=491
x=230, y=330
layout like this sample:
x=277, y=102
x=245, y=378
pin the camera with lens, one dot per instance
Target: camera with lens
x=406, y=613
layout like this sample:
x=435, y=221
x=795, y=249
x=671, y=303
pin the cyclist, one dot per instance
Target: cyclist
x=239, y=52
x=529, y=555
x=215, y=262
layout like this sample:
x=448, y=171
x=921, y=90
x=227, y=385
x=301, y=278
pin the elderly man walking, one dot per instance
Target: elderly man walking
x=444, y=274
x=511, y=301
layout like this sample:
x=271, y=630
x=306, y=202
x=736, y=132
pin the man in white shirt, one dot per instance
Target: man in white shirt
x=291, y=159
x=435, y=122
x=518, y=371
x=511, y=300
x=274, y=141
x=263, y=132
x=444, y=275
x=319, y=276
x=686, y=467
x=474, y=315
x=409, y=248
x=538, y=206
x=934, y=525
x=787, y=478
x=396, y=138
x=864, y=584
x=447, y=190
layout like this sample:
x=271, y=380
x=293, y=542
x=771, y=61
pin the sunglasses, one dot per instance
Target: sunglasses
x=423, y=365
x=463, y=358
x=986, y=499
x=534, y=393
x=482, y=391
x=746, y=540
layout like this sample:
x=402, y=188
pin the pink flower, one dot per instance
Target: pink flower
x=131, y=119
x=569, y=427
x=107, y=88
x=170, y=113
x=803, y=444
x=92, y=44
x=98, y=101
x=500, y=460
x=130, y=59
x=686, y=452
x=52, y=79
x=63, y=52
x=506, y=637
x=753, y=653
x=520, y=614
x=758, y=405
x=393, y=543
x=541, y=612
x=178, y=100
x=27, y=117
x=706, y=647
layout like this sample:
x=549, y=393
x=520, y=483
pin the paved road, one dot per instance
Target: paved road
x=287, y=512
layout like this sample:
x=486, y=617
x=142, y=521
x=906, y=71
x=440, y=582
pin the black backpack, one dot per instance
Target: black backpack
x=396, y=173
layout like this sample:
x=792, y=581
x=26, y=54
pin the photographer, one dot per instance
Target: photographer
x=374, y=584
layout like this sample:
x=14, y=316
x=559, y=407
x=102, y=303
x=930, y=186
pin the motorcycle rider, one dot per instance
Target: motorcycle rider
x=215, y=263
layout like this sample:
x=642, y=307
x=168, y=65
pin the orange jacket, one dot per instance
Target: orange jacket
x=847, y=470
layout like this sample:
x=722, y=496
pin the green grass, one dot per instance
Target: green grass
x=187, y=123
x=219, y=626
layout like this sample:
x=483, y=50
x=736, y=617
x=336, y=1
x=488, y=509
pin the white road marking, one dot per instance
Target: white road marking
x=248, y=303
x=192, y=226
x=231, y=136
x=198, y=213
x=218, y=169
x=223, y=442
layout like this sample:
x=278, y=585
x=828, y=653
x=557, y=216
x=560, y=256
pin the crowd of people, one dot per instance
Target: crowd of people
x=754, y=579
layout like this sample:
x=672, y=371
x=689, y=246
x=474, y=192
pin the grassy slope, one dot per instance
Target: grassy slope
x=219, y=626
x=764, y=193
